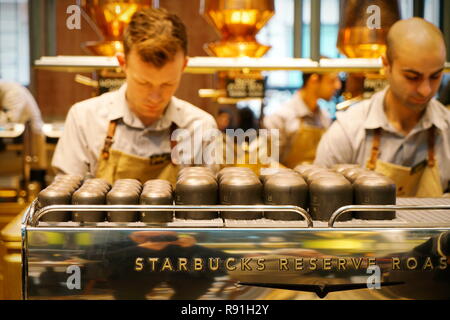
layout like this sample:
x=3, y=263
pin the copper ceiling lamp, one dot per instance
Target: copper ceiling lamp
x=111, y=17
x=363, y=28
x=238, y=22
x=358, y=38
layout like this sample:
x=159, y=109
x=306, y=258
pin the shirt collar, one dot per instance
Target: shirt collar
x=435, y=115
x=120, y=110
x=301, y=109
x=376, y=117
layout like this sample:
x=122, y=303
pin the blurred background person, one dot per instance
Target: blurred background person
x=300, y=121
x=224, y=119
x=17, y=105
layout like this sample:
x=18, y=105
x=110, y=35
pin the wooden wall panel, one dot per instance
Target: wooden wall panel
x=56, y=92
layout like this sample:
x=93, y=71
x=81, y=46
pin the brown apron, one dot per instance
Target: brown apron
x=303, y=147
x=420, y=181
x=242, y=157
x=114, y=165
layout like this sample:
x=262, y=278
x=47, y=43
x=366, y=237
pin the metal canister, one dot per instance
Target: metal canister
x=155, y=196
x=303, y=167
x=157, y=183
x=319, y=174
x=69, y=178
x=128, y=184
x=352, y=173
x=375, y=190
x=70, y=188
x=266, y=173
x=284, y=189
x=89, y=196
x=122, y=196
x=97, y=182
x=241, y=190
x=195, y=170
x=54, y=196
x=312, y=170
x=196, y=190
x=342, y=166
x=234, y=170
x=327, y=194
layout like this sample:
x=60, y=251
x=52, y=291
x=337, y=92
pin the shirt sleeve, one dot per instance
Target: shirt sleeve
x=15, y=105
x=20, y=106
x=277, y=122
x=334, y=147
x=70, y=155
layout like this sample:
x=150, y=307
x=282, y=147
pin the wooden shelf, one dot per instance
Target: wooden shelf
x=209, y=65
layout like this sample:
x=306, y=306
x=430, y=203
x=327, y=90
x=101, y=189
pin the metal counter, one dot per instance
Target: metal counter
x=405, y=258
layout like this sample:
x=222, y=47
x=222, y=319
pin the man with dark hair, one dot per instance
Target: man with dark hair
x=127, y=133
x=402, y=131
x=300, y=121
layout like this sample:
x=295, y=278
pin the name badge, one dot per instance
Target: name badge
x=158, y=159
x=419, y=167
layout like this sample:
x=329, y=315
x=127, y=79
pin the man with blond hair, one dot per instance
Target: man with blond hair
x=127, y=133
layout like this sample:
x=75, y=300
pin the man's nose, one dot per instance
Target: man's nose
x=424, y=88
x=154, y=95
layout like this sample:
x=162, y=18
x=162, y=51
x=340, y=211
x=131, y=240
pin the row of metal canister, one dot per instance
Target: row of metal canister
x=317, y=189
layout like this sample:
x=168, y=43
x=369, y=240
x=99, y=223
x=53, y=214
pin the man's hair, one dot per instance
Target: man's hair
x=156, y=35
x=307, y=76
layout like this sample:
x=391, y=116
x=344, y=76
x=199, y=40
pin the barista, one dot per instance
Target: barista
x=402, y=132
x=17, y=105
x=127, y=133
x=301, y=122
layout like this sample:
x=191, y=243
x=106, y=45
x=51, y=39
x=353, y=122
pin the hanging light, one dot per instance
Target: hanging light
x=111, y=18
x=364, y=25
x=238, y=22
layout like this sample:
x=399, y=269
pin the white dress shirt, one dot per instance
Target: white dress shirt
x=87, y=122
x=288, y=117
x=350, y=138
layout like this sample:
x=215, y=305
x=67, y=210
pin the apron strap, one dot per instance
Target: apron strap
x=109, y=139
x=431, y=144
x=372, y=162
x=173, y=143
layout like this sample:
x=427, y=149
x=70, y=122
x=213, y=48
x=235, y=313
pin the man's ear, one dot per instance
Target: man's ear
x=120, y=56
x=314, y=79
x=386, y=64
x=186, y=61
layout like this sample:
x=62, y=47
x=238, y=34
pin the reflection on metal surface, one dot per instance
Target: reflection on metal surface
x=233, y=208
x=111, y=17
x=322, y=290
x=153, y=262
x=360, y=35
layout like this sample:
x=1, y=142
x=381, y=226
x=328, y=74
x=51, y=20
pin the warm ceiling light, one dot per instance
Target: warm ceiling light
x=237, y=22
x=111, y=18
x=364, y=25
